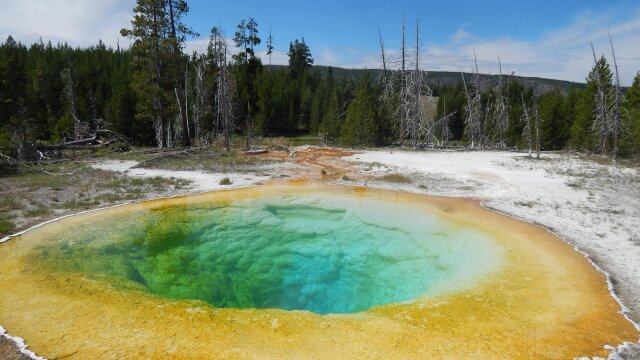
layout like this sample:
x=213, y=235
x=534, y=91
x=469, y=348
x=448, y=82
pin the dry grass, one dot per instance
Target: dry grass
x=36, y=194
x=8, y=351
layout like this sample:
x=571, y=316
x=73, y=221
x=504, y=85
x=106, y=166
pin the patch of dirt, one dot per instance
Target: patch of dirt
x=317, y=162
x=38, y=194
x=9, y=351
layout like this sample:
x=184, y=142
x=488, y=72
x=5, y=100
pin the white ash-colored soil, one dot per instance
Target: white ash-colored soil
x=594, y=206
x=201, y=181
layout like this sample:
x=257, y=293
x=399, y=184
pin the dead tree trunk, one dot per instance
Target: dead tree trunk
x=177, y=53
x=270, y=47
x=407, y=94
x=200, y=102
x=69, y=95
x=474, y=111
x=538, y=121
x=445, y=122
x=225, y=89
x=384, y=58
x=473, y=119
x=417, y=118
x=615, y=116
x=403, y=86
x=501, y=116
x=527, y=132
x=477, y=103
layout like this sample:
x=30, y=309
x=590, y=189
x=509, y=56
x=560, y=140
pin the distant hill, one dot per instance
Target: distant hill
x=449, y=78
x=539, y=85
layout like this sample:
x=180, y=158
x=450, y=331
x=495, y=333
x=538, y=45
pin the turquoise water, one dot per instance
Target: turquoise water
x=316, y=252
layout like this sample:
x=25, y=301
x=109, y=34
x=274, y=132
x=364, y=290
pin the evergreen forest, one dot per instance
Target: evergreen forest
x=155, y=94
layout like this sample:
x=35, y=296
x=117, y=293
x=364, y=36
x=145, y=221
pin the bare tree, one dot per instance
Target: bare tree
x=384, y=58
x=199, y=104
x=403, y=87
x=501, y=111
x=407, y=94
x=70, y=96
x=445, y=122
x=489, y=126
x=474, y=115
x=158, y=130
x=615, y=121
x=225, y=86
x=527, y=131
x=183, y=118
x=81, y=129
x=411, y=99
x=538, y=121
x=270, y=47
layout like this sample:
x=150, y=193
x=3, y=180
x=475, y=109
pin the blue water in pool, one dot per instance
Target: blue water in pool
x=325, y=253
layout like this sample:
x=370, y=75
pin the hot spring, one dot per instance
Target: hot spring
x=325, y=253
x=303, y=270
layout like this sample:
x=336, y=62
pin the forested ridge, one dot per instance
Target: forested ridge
x=154, y=94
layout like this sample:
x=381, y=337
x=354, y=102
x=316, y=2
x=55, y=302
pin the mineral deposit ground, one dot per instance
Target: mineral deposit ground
x=333, y=265
x=320, y=267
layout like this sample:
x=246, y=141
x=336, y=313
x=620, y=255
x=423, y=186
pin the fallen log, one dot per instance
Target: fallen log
x=93, y=142
x=257, y=152
x=171, y=153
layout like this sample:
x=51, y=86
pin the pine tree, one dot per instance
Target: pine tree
x=179, y=32
x=362, y=125
x=270, y=47
x=301, y=85
x=630, y=141
x=300, y=59
x=591, y=110
x=149, y=31
x=555, y=130
x=13, y=119
x=224, y=84
x=247, y=68
x=329, y=128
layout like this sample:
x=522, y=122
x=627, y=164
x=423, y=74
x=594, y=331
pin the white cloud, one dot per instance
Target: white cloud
x=327, y=57
x=200, y=46
x=560, y=54
x=197, y=45
x=277, y=58
x=78, y=22
x=461, y=34
x=563, y=53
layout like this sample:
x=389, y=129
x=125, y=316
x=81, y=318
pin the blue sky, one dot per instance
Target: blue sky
x=350, y=23
x=534, y=38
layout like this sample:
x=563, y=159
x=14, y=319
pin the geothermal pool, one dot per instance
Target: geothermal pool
x=303, y=270
x=323, y=253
